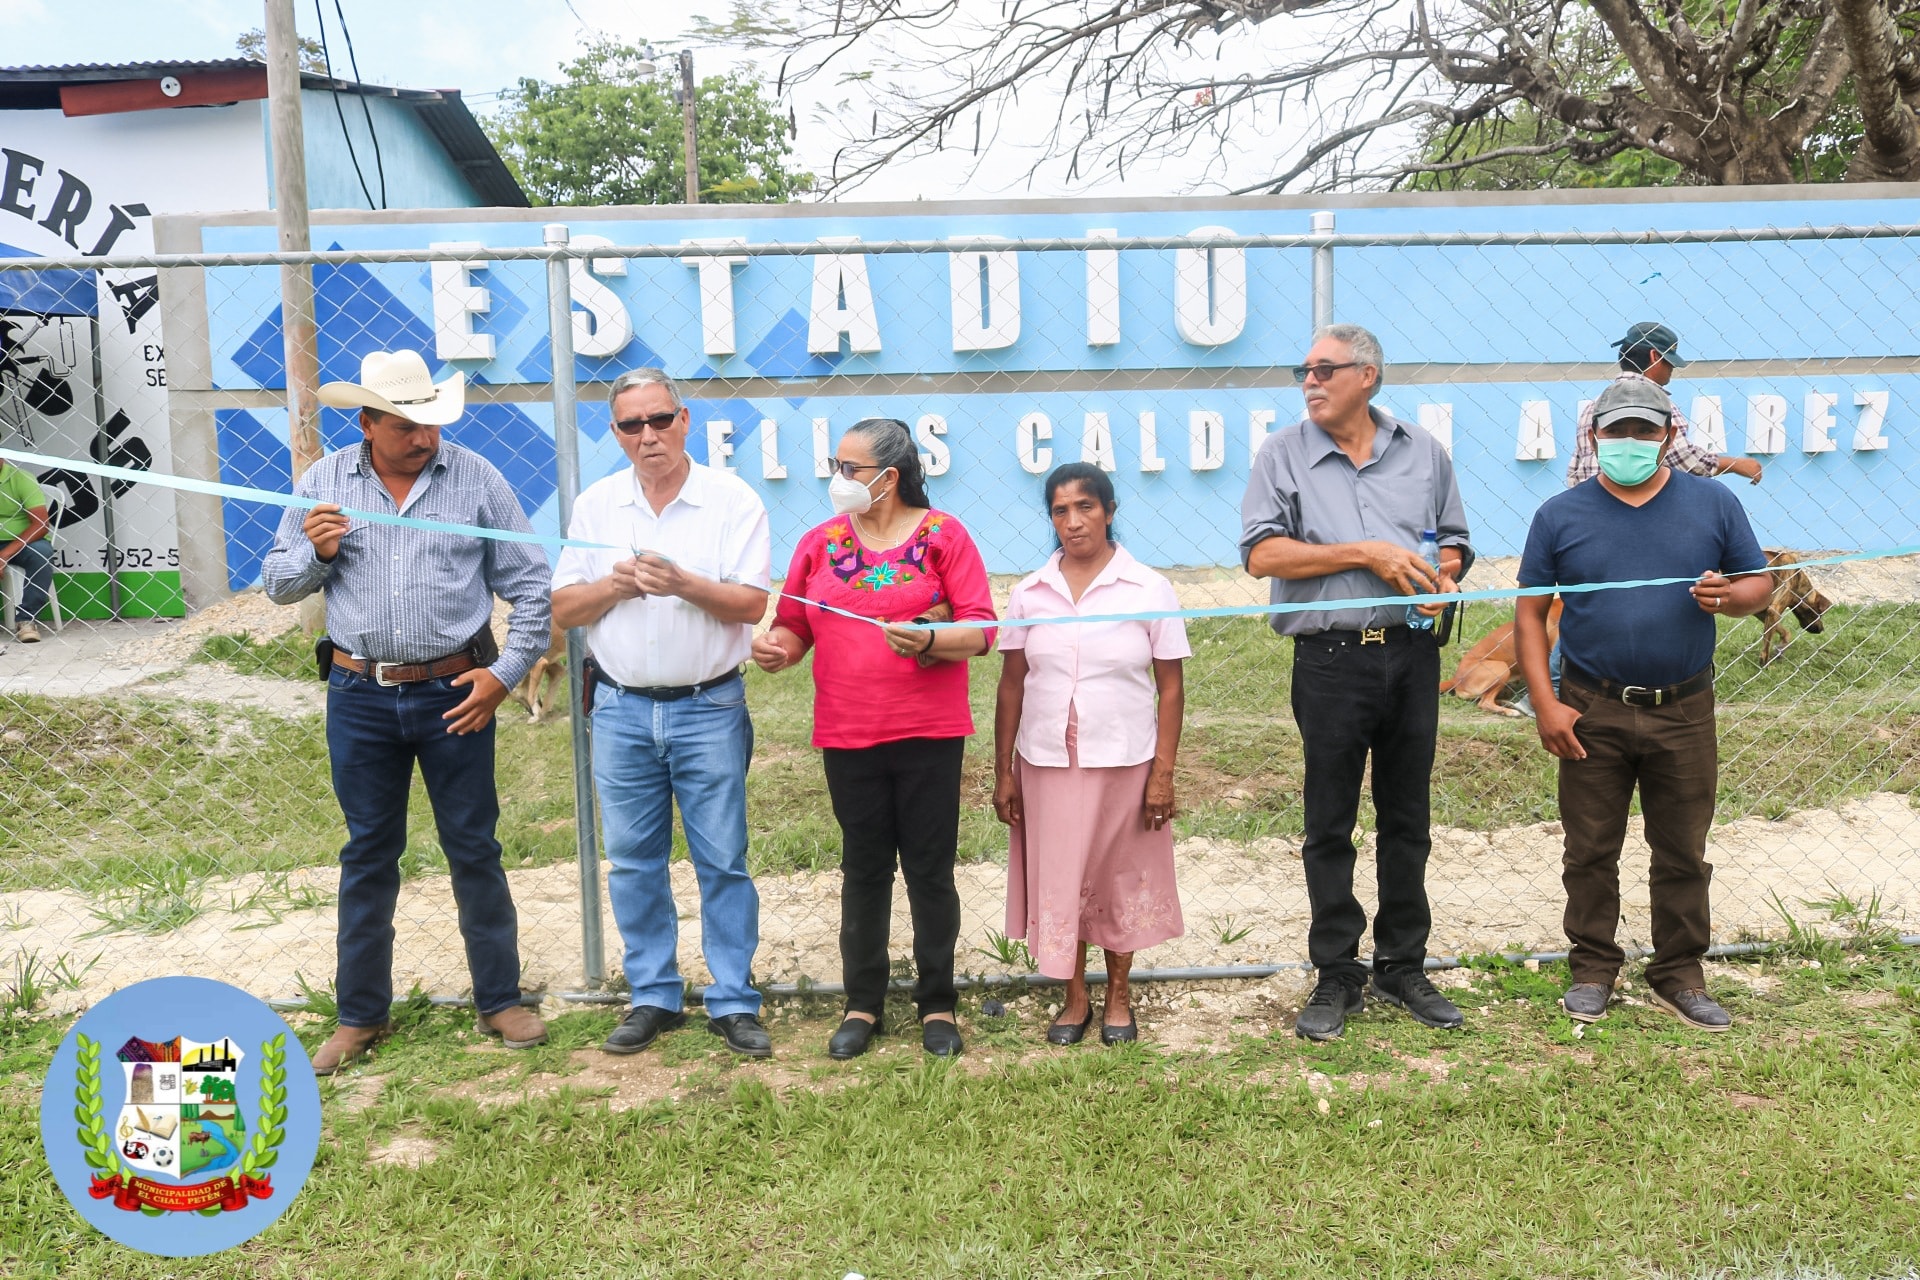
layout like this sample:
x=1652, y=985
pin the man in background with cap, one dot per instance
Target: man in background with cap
x=1651, y=352
x=1635, y=705
x=414, y=674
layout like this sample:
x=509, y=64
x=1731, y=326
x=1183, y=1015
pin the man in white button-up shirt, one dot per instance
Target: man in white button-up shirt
x=669, y=621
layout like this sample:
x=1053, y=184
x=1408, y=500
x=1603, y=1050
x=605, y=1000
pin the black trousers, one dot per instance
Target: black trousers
x=897, y=802
x=1349, y=700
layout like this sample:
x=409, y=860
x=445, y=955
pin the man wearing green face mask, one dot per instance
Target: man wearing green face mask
x=1635, y=707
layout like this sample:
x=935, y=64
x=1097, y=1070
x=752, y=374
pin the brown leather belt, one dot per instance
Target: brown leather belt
x=392, y=673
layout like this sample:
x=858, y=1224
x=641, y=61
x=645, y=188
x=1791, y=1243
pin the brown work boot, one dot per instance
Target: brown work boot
x=517, y=1026
x=344, y=1045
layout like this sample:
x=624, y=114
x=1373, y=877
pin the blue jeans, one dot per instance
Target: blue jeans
x=1553, y=666
x=646, y=756
x=35, y=560
x=374, y=736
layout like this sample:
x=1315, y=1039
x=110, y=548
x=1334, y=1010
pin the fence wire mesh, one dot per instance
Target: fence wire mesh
x=167, y=805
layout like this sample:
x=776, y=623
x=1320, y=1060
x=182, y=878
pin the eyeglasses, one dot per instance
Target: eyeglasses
x=851, y=470
x=1638, y=429
x=653, y=422
x=1322, y=371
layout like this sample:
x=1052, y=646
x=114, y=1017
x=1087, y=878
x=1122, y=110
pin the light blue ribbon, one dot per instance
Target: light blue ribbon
x=245, y=494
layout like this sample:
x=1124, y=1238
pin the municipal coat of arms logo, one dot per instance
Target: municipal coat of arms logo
x=180, y=1121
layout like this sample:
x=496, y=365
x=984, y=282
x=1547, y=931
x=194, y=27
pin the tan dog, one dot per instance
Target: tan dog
x=539, y=690
x=1492, y=667
x=1793, y=592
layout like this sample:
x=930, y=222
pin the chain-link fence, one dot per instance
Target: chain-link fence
x=167, y=807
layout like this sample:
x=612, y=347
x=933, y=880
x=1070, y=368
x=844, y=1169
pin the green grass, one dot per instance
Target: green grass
x=1509, y=1149
x=104, y=788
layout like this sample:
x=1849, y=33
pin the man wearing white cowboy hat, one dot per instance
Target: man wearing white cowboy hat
x=413, y=674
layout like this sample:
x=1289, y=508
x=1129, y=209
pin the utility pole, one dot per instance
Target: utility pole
x=290, y=215
x=687, y=119
x=297, y=326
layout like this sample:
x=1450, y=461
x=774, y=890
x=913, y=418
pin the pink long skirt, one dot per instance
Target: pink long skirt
x=1084, y=867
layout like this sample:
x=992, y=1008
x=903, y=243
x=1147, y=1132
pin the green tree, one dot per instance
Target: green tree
x=313, y=60
x=609, y=132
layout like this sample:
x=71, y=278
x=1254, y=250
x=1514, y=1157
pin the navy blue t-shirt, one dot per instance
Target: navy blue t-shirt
x=1639, y=635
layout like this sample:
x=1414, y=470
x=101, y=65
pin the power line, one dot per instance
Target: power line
x=321, y=15
x=379, y=165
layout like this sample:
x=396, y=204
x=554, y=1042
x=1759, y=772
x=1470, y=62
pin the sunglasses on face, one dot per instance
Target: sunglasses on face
x=654, y=422
x=851, y=470
x=1321, y=372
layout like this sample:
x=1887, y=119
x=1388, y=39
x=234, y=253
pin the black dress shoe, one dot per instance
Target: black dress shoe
x=1068, y=1032
x=743, y=1034
x=941, y=1038
x=641, y=1027
x=1410, y=989
x=1119, y=1035
x=1695, y=1008
x=852, y=1039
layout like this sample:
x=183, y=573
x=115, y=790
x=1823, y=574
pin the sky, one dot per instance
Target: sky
x=483, y=46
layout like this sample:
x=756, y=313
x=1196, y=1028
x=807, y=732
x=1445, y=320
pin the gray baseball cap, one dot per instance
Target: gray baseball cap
x=1632, y=399
x=1651, y=335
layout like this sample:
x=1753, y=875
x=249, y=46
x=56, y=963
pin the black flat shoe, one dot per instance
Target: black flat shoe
x=1119, y=1035
x=641, y=1027
x=941, y=1038
x=852, y=1039
x=1070, y=1032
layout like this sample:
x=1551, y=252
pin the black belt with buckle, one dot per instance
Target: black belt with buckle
x=665, y=693
x=1371, y=635
x=1638, y=695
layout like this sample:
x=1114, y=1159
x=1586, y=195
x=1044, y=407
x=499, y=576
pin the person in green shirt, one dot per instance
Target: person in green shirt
x=24, y=527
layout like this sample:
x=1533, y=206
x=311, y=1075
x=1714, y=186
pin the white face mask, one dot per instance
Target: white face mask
x=850, y=497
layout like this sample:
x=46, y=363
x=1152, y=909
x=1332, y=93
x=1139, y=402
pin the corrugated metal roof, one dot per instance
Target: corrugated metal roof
x=444, y=113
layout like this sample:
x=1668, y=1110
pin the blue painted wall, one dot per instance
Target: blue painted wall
x=419, y=173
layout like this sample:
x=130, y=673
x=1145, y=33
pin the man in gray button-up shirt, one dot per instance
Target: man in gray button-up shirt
x=414, y=678
x=1334, y=511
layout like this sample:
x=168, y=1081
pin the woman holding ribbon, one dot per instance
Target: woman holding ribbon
x=1086, y=728
x=890, y=712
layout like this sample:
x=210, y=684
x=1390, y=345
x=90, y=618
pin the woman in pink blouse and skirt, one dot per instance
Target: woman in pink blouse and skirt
x=890, y=713
x=1086, y=728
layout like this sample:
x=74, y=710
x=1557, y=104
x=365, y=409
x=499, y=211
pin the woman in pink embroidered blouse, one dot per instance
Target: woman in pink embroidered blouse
x=1086, y=728
x=890, y=712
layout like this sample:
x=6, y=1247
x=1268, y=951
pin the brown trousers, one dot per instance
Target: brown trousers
x=1672, y=754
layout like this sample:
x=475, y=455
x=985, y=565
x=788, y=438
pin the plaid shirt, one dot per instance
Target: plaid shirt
x=408, y=595
x=1685, y=454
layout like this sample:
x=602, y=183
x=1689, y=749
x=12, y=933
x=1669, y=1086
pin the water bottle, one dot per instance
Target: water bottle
x=1430, y=552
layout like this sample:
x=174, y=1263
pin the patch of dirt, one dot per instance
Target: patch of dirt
x=406, y=1151
x=247, y=613
x=353, y=1093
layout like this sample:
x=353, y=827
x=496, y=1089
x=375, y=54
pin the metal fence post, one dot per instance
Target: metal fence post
x=566, y=449
x=1322, y=272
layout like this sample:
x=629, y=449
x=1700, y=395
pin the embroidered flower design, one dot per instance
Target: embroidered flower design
x=880, y=575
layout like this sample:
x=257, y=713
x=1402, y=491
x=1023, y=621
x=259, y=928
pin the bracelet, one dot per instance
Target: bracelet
x=929, y=647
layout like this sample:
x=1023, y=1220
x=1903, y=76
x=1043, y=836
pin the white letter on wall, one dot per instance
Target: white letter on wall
x=1873, y=417
x=1150, y=459
x=1096, y=442
x=1103, y=291
x=985, y=288
x=1816, y=434
x=456, y=301
x=1206, y=440
x=1536, y=431
x=1707, y=424
x=820, y=449
x=604, y=328
x=842, y=302
x=935, y=457
x=1437, y=421
x=719, y=431
x=1210, y=291
x=1259, y=423
x=716, y=297
x=1766, y=424
x=771, y=468
x=1035, y=458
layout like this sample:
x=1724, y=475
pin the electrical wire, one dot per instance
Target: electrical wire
x=352, y=155
x=379, y=165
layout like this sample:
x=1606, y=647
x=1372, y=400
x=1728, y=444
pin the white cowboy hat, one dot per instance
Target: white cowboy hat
x=397, y=382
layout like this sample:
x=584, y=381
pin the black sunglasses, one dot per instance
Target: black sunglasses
x=653, y=422
x=1322, y=371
